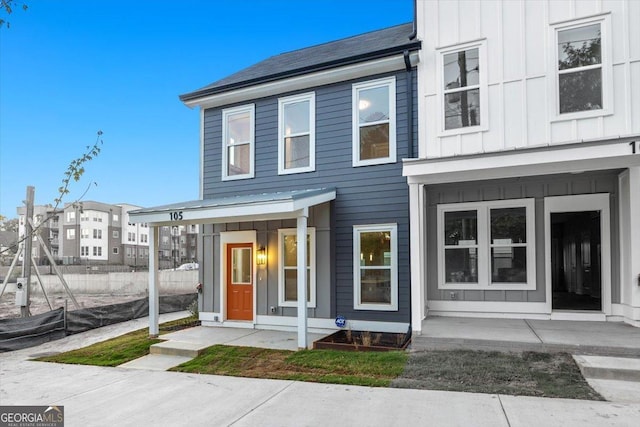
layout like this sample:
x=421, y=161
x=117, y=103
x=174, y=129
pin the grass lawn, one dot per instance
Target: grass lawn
x=525, y=374
x=116, y=351
x=326, y=366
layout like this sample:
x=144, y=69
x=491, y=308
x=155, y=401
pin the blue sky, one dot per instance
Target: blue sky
x=71, y=68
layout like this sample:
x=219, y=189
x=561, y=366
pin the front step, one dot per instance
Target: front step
x=177, y=348
x=609, y=368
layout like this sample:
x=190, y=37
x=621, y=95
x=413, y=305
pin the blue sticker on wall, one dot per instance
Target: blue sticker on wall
x=341, y=321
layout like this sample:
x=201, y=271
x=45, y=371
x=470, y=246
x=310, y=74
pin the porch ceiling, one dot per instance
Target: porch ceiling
x=257, y=207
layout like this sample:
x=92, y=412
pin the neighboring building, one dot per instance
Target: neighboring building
x=305, y=145
x=134, y=239
x=7, y=248
x=177, y=245
x=47, y=220
x=89, y=233
x=525, y=197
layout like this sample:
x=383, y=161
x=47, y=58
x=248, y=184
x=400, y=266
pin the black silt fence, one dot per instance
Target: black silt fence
x=31, y=331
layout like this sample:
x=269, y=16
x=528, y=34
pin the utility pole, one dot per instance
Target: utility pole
x=28, y=244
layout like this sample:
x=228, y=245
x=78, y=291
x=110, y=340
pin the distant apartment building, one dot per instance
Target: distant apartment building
x=47, y=221
x=96, y=233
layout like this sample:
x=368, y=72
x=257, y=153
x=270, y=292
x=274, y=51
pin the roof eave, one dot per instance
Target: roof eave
x=188, y=98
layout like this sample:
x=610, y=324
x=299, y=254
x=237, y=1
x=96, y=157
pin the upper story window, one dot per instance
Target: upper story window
x=296, y=134
x=582, y=68
x=238, y=126
x=464, y=89
x=71, y=216
x=374, y=122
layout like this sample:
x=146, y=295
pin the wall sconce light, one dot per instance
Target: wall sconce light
x=261, y=256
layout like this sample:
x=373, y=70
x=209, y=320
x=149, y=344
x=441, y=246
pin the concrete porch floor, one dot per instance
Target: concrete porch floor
x=577, y=337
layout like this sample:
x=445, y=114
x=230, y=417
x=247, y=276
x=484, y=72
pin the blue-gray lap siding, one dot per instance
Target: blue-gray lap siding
x=364, y=195
x=527, y=187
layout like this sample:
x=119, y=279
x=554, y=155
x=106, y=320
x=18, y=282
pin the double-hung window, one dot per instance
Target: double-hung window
x=238, y=142
x=582, y=67
x=464, y=88
x=487, y=245
x=375, y=267
x=296, y=134
x=374, y=122
x=288, y=267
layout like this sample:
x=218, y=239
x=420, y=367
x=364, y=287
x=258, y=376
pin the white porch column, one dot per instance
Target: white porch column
x=416, y=243
x=633, y=234
x=154, y=300
x=302, y=277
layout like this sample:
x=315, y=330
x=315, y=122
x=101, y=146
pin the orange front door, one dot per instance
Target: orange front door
x=240, y=281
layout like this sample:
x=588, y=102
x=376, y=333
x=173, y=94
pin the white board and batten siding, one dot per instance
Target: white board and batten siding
x=518, y=38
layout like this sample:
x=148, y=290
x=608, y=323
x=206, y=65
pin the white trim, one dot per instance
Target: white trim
x=482, y=85
x=208, y=316
x=417, y=236
x=250, y=108
x=606, y=66
x=201, y=160
x=282, y=232
x=579, y=203
x=238, y=212
x=357, y=230
x=288, y=323
x=578, y=316
x=495, y=308
x=320, y=78
x=483, y=244
x=282, y=102
x=227, y=237
x=573, y=157
x=390, y=83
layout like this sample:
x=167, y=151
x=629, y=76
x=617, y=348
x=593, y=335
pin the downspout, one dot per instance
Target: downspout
x=414, y=33
x=409, y=69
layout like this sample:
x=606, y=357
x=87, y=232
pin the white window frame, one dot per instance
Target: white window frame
x=357, y=230
x=481, y=45
x=225, y=167
x=311, y=233
x=606, y=66
x=390, y=83
x=483, y=210
x=282, y=102
x=71, y=233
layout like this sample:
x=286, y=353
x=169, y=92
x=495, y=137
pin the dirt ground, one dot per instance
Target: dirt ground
x=39, y=304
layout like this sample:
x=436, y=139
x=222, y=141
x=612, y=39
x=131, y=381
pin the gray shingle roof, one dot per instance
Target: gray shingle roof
x=363, y=47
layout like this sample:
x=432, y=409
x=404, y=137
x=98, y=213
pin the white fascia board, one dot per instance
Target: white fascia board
x=235, y=213
x=569, y=159
x=319, y=78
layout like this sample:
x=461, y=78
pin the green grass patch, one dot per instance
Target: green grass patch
x=116, y=351
x=526, y=374
x=325, y=366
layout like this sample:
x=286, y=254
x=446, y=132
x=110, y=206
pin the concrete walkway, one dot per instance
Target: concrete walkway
x=94, y=396
x=593, y=338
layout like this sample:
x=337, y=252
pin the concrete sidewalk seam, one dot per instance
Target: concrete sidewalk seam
x=261, y=403
x=506, y=417
x=533, y=330
x=71, y=396
x=255, y=331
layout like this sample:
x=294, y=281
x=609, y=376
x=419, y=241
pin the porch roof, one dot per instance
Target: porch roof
x=256, y=207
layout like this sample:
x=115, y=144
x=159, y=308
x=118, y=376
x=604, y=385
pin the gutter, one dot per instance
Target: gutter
x=414, y=45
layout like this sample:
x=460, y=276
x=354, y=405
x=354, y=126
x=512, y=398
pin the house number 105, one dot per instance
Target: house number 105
x=175, y=216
